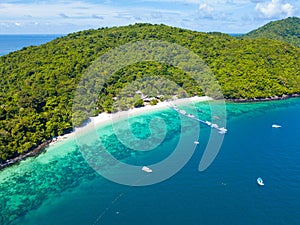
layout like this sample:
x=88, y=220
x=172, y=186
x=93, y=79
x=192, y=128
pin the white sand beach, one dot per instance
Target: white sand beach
x=106, y=118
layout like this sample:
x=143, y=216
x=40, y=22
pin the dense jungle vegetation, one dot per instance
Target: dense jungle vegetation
x=287, y=30
x=38, y=82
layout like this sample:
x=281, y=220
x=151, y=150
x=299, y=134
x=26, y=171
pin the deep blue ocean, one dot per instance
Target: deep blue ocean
x=10, y=43
x=59, y=186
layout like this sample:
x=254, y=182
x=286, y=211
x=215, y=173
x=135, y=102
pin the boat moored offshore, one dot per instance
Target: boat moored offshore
x=260, y=181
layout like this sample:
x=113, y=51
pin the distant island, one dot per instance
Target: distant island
x=38, y=82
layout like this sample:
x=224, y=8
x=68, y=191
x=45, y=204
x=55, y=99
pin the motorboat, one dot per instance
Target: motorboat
x=147, y=169
x=191, y=115
x=183, y=112
x=214, y=125
x=222, y=130
x=208, y=123
x=276, y=126
x=260, y=181
x=196, y=142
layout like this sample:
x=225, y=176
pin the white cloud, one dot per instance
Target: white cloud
x=212, y=2
x=203, y=7
x=205, y=10
x=274, y=9
x=56, y=16
x=69, y=16
x=50, y=10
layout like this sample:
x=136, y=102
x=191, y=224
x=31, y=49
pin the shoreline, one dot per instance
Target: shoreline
x=104, y=118
x=30, y=153
x=267, y=99
x=101, y=120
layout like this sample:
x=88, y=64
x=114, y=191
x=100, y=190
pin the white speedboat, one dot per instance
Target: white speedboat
x=276, y=126
x=183, y=112
x=196, y=142
x=146, y=169
x=191, y=115
x=214, y=125
x=222, y=130
x=260, y=181
x=208, y=123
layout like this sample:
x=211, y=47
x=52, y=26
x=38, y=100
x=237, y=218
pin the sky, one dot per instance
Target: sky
x=66, y=16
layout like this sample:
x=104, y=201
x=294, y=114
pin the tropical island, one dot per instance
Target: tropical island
x=38, y=82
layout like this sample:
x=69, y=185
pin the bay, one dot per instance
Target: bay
x=59, y=186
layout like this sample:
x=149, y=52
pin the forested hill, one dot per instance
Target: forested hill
x=287, y=30
x=37, y=83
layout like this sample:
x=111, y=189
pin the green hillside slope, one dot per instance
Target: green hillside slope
x=287, y=30
x=37, y=83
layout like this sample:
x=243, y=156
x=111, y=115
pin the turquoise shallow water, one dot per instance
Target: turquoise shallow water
x=59, y=187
